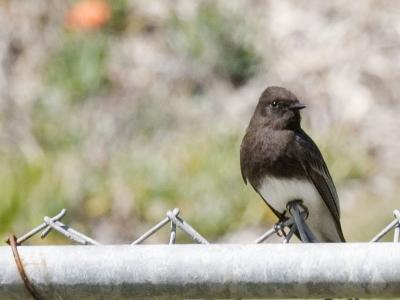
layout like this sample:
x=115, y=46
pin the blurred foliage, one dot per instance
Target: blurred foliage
x=218, y=40
x=131, y=116
x=29, y=188
x=119, y=17
x=201, y=176
x=52, y=131
x=78, y=68
x=347, y=160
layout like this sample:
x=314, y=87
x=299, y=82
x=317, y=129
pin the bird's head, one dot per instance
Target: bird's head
x=278, y=108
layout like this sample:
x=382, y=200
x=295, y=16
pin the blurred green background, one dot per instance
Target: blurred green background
x=121, y=110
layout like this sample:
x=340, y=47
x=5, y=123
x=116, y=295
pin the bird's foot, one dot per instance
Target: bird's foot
x=299, y=203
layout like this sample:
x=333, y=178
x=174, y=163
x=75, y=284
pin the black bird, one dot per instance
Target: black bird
x=283, y=164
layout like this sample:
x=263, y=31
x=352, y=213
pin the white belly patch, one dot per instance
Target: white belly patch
x=277, y=192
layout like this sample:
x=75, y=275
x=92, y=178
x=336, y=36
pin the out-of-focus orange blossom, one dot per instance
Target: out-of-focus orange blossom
x=88, y=14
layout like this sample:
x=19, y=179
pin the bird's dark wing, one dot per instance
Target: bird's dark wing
x=314, y=166
x=243, y=161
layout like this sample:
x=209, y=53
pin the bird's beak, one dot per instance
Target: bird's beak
x=297, y=106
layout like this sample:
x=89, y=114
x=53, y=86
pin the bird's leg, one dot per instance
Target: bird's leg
x=293, y=208
x=300, y=213
x=304, y=214
x=310, y=234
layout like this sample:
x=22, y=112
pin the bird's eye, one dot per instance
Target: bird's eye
x=274, y=103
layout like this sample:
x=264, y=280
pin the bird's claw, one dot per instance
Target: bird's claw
x=303, y=209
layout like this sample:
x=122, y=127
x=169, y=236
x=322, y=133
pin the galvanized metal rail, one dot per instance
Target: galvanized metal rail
x=205, y=271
